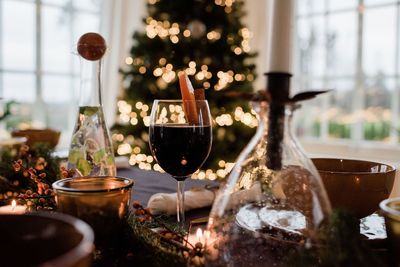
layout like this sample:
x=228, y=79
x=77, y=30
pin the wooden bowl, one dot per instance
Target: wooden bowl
x=356, y=185
x=45, y=239
x=49, y=137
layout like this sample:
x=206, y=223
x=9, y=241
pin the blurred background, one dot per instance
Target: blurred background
x=351, y=46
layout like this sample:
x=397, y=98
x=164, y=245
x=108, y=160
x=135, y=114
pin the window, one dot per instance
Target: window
x=37, y=66
x=353, y=47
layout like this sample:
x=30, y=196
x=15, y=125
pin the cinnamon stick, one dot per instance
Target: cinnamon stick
x=188, y=97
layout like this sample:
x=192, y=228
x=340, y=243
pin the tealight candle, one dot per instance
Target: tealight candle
x=13, y=208
x=198, y=237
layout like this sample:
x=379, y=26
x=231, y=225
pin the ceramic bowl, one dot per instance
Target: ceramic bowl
x=356, y=185
x=44, y=239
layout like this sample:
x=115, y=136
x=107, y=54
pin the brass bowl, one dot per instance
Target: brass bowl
x=45, y=239
x=102, y=202
x=356, y=185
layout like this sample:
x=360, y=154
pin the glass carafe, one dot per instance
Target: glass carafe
x=91, y=151
x=262, y=217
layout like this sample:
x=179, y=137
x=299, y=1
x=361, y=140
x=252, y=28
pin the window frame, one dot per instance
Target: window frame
x=358, y=89
x=38, y=106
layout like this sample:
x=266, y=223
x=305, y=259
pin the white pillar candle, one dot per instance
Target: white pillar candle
x=281, y=37
x=13, y=209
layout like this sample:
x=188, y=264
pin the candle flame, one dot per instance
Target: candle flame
x=199, y=234
x=13, y=204
x=207, y=235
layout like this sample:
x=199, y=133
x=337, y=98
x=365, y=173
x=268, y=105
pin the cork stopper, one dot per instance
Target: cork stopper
x=92, y=46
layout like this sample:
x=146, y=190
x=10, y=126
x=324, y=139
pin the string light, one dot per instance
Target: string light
x=162, y=29
x=224, y=120
x=124, y=149
x=246, y=35
x=138, y=61
x=192, y=64
x=128, y=61
x=213, y=35
x=174, y=39
x=226, y=3
x=224, y=79
x=237, y=50
x=142, y=70
x=250, y=77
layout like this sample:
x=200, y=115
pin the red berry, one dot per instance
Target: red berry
x=136, y=205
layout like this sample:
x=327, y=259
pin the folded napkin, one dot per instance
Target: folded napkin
x=122, y=162
x=198, y=198
x=194, y=199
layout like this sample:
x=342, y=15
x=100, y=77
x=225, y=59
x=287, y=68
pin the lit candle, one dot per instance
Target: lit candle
x=211, y=242
x=198, y=237
x=281, y=37
x=13, y=208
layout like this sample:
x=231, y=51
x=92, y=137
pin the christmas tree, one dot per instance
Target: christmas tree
x=207, y=40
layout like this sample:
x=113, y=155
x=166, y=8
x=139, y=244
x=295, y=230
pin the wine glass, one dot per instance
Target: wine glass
x=180, y=140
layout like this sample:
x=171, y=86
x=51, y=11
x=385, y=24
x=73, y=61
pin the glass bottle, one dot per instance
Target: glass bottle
x=91, y=152
x=262, y=217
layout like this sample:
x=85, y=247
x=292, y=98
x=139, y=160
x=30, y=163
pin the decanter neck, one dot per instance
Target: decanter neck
x=90, y=85
x=288, y=129
x=262, y=109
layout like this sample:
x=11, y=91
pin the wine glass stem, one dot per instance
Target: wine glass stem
x=180, y=208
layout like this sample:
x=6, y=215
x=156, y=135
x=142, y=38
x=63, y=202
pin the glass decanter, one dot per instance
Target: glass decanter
x=91, y=152
x=261, y=216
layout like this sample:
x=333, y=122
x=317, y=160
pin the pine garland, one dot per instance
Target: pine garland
x=26, y=174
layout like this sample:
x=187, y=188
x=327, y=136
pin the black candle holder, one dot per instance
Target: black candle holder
x=278, y=87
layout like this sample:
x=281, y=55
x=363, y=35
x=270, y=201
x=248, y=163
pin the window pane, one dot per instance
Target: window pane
x=57, y=46
x=58, y=116
x=62, y=116
x=340, y=114
x=305, y=7
x=19, y=87
x=83, y=23
x=378, y=2
x=64, y=3
x=342, y=4
x=311, y=43
x=379, y=41
x=377, y=113
x=18, y=35
x=342, y=44
x=90, y=5
x=58, y=89
x=308, y=117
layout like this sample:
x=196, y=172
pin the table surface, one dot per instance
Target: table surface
x=147, y=183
